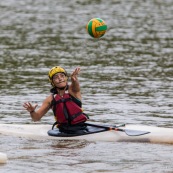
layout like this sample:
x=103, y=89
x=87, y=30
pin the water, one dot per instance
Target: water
x=126, y=77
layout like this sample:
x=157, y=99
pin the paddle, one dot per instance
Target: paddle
x=127, y=131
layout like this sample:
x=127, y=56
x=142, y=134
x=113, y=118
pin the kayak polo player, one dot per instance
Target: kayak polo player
x=65, y=101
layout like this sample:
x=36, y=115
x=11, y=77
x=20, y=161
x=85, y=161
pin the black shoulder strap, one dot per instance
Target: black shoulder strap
x=53, y=104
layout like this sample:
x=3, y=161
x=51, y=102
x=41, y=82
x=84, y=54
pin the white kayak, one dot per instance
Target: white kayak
x=128, y=133
x=3, y=158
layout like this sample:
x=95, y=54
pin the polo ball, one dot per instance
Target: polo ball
x=96, y=27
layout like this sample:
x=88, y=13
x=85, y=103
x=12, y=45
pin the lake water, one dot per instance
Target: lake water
x=126, y=77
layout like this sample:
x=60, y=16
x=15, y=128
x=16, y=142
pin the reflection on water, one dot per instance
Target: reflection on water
x=126, y=76
x=68, y=144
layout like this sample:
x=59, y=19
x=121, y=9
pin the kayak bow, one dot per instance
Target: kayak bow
x=3, y=158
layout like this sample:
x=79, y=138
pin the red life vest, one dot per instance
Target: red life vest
x=66, y=111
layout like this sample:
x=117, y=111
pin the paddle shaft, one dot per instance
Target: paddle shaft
x=127, y=131
x=106, y=127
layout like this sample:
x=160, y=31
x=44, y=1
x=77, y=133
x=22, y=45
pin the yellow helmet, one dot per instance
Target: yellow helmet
x=54, y=70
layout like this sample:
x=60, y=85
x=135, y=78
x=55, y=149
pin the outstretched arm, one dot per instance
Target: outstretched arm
x=74, y=88
x=37, y=115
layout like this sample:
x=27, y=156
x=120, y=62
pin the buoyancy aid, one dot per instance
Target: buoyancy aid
x=66, y=111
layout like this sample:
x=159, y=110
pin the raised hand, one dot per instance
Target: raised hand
x=29, y=107
x=75, y=74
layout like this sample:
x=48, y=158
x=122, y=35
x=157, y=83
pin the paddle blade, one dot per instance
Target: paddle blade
x=135, y=132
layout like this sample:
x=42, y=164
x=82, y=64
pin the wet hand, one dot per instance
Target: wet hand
x=29, y=107
x=75, y=74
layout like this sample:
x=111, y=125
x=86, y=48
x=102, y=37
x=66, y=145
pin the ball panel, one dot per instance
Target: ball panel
x=101, y=28
x=89, y=26
x=93, y=28
x=100, y=20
